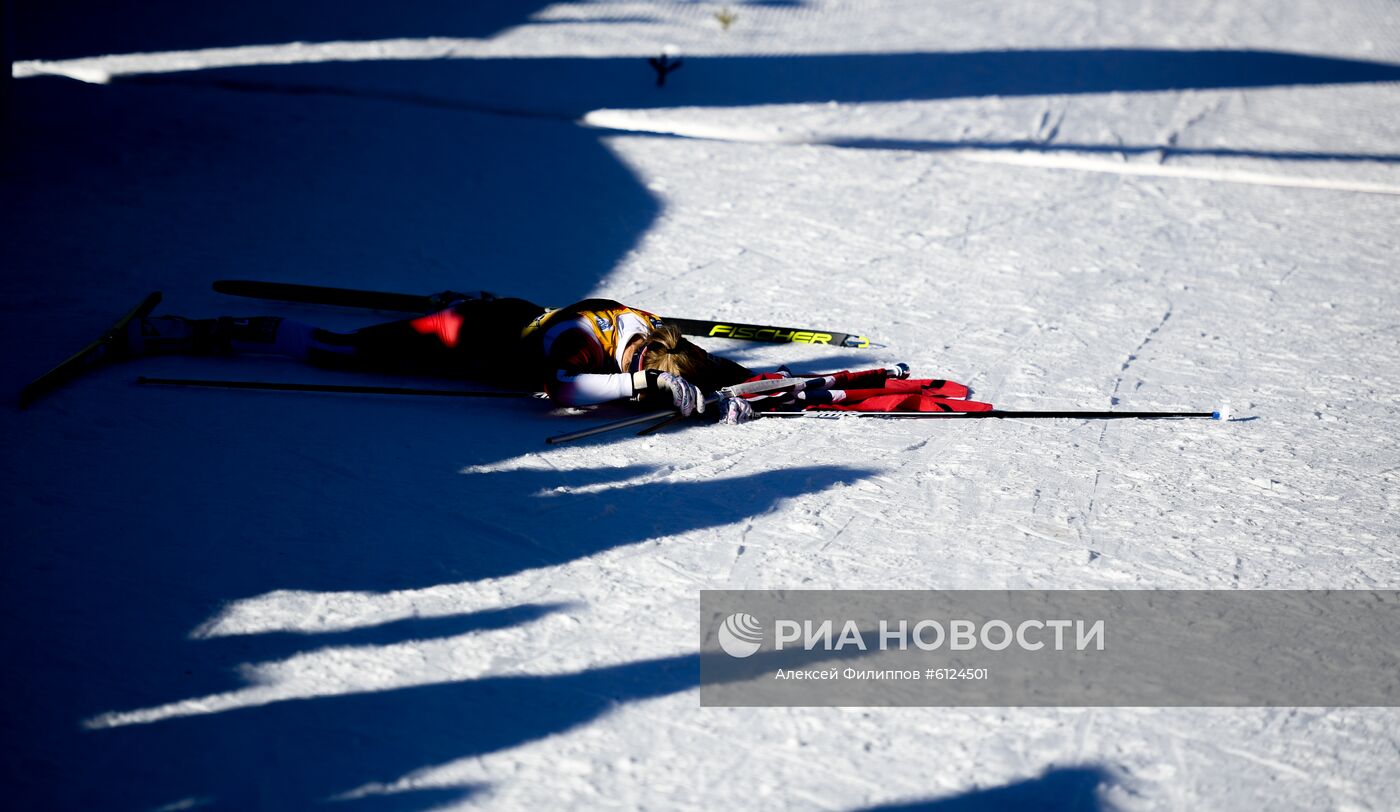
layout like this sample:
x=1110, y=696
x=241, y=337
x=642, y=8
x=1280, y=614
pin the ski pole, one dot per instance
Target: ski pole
x=664, y=415
x=662, y=418
x=675, y=418
x=750, y=388
x=1009, y=414
x=337, y=388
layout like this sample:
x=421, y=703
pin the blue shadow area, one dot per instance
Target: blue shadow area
x=63, y=29
x=275, y=756
x=1061, y=789
x=241, y=496
x=217, y=656
x=412, y=800
x=124, y=189
x=132, y=517
x=569, y=87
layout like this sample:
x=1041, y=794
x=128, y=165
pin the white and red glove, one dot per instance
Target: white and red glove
x=734, y=410
x=686, y=396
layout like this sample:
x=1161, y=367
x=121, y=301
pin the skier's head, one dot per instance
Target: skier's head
x=667, y=350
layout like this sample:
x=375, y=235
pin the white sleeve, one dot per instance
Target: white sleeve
x=590, y=387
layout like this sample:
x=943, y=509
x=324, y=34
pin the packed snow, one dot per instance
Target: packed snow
x=264, y=600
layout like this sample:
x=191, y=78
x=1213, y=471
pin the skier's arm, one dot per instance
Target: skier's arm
x=573, y=354
x=587, y=388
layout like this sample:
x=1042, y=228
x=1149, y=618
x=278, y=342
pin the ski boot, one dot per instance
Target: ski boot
x=176, y=335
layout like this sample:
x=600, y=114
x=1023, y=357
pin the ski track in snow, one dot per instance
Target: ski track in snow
x=1249, y=257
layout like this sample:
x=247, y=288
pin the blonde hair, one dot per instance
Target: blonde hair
x=668, y=351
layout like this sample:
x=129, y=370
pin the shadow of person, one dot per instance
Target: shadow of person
x=278, y=756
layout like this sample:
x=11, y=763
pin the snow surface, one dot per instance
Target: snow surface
x=255, y=600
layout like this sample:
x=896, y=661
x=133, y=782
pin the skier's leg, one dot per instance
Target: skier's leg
x=270, y=335
x=475, y=338
x=264, y=335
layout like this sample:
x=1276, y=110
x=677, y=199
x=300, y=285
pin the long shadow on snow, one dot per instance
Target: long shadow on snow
x=569, y=87
x=62, y=29
x=233, y=760
x=1060, y=789
x=204, y=521
x=275, y=756
x=220, y=654
x=128, y=188
x=392, y=513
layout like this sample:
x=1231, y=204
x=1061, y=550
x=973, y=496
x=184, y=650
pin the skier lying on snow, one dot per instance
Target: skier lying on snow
x=593, y=351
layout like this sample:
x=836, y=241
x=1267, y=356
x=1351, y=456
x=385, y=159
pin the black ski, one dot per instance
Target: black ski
x=85, y=358
x=415, y=303
x=770, y=334
x=274, y=386
x=341, y=297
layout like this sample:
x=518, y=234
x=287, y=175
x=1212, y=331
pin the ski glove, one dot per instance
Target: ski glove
x=686, y=396
x=734, y=410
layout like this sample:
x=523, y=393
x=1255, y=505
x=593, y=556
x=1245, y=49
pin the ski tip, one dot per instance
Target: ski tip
x=148, y=305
